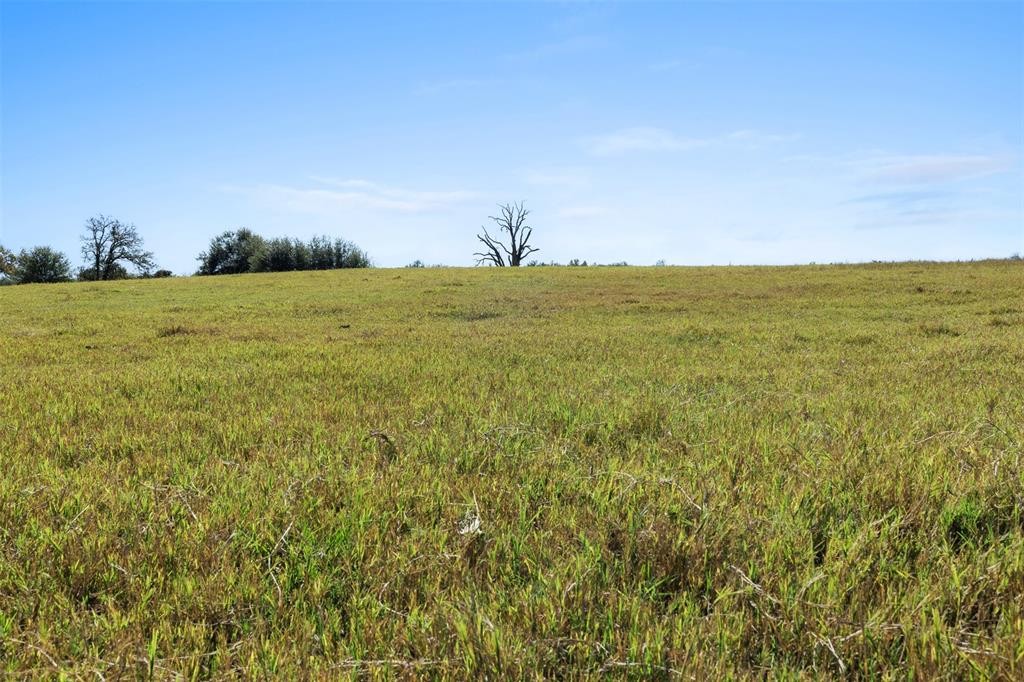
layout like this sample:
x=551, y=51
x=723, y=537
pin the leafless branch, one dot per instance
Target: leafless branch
x=511, y=220
x=109, y=242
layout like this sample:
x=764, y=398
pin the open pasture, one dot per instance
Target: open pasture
x=637, y=472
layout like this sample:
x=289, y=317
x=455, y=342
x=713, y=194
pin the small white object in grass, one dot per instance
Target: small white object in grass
x=470, y=523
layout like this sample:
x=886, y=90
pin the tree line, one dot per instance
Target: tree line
x=112, y=249
x=241, y=251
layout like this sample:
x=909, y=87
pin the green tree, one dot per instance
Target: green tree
x=230, y=253
x=321, y=253
x=108, y=244
x=8, y=261
x=42, y=265
x=277, y=255
x=116, y=271
x=348, y=255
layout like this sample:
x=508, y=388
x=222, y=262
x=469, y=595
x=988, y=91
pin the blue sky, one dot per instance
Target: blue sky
x=694, y=133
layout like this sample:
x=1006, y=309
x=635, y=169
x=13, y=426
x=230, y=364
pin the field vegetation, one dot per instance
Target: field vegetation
x=516, y=473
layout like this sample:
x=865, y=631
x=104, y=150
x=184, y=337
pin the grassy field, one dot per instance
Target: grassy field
x=639, y=472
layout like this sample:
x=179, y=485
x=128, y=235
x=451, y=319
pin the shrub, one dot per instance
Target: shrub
x=8, y=261
x=117, y=271
x=348, y=255
x=42, y=265
x=321, y=254
x=243, y=251
x=277, y=255
x=230, y=253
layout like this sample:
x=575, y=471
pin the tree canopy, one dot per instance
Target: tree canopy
x=42, y=265
x=108, y=244
x=244, y=251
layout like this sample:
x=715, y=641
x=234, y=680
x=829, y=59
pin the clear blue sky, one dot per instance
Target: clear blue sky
x=693, y=133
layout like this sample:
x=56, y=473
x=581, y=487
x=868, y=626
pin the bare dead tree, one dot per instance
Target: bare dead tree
x=107, y=242
x=511, y=220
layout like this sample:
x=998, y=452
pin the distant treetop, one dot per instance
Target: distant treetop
x=236, y=252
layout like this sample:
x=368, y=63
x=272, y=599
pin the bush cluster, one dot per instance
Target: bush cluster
x=38, y=265
x=236, y=252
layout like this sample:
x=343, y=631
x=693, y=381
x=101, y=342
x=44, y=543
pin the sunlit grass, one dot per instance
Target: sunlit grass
x=525, y=473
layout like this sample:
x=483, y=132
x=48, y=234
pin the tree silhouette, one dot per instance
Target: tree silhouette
x=108, y=242
x=511, y=220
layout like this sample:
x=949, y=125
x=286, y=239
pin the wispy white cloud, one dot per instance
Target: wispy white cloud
x=909, y=174
x=761, y=236
x=373, y=189
x=890, y=209
x=557, y=48
x=580, y=212
x=341, y=195
x=698, y=58
x=935, y=168
x=568, y=178
x=666, y=65
x=901, y=199
x=647, y=139
x=640, y=139
x=922, y=207
x=757, y=138
x=448, y=85
x=915, y=191
x=967, y=218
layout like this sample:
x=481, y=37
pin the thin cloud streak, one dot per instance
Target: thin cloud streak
x=347, y=195
x=580, y=212
x=900, y=199
x=667, y=65
x=567, y=46
x=567, y=178
x=935, y=168
x=448, y=86
x=649, y=139
x=968, y=219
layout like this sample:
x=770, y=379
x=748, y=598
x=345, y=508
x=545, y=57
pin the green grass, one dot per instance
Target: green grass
x=520, y=473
